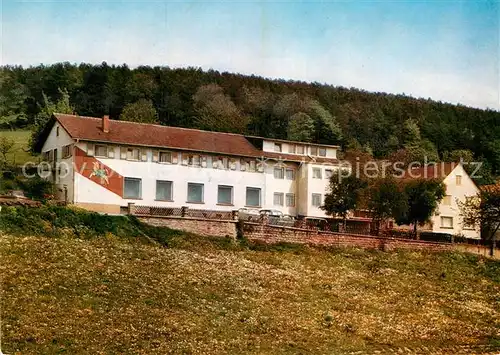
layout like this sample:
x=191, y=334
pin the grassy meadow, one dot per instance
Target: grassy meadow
x=115, y=295
x=20, y=154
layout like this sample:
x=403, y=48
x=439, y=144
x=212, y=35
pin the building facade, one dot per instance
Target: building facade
x=103, y=165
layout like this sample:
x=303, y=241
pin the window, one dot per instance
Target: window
x=132, y=154
x=278, y=198
x=66, y=151
x=316, y=173
x=458, y=180
x=46, y=156
x=165, y=157
x=101, y=151
x=316, y=200
x=322, y=152
x=57, y=131
x=469, y=226
x=447, y=200
x=279, y=173
x=252, y=165
x=291, y=148
x=195, y=193
x=222, y=163
x=328, y=173
x=446, y=222
x=194, y=160
x=314, y=150
x=290, y=200
x=132, y=188
x=225, y=195
x=300, y=149
x=290, y=174
x=253, y=197
x=164, y=190
x=277, y=147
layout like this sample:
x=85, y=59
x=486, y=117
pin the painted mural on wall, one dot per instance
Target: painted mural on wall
x=96, y=171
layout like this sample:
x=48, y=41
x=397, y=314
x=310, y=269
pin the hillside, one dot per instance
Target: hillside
x=111, y=295
x=376, y=123
x=20, y=152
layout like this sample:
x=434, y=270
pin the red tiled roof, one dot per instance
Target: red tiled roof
x=132, y=133
x=430, y=171
x=491, y=188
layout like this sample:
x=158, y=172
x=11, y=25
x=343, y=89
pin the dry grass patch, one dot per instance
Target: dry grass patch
x=115, y=296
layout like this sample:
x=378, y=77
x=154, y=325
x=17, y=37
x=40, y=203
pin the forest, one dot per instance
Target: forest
x=377, y=124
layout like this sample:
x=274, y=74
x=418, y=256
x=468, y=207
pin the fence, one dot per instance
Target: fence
x=352, y=227
x=185, y=212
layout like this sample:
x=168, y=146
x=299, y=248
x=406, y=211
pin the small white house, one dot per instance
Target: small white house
x=102, y=165
x=459, y=187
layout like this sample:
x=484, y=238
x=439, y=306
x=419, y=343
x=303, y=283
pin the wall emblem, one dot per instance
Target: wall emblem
x=100, y=172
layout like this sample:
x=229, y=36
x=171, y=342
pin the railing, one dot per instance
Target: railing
x=186, y=212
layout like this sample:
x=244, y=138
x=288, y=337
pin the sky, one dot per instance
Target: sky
x=443, y=50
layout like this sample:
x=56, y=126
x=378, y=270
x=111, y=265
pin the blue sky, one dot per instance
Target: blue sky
x=445, y=50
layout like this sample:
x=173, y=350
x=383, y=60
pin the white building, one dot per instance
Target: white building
x=459, y=187
x=102, y=165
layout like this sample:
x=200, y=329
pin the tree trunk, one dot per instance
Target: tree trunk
x=493, y=245
x=415, y=230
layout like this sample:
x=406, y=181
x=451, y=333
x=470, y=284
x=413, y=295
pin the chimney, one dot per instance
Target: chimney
x=105, y=124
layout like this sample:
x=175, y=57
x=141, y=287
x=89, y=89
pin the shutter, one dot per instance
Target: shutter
x=155, y=156
x=111, y=151
x=144, y=154
x=175, y=157
x=123, y=152
x=203, y=161
x=90, y=149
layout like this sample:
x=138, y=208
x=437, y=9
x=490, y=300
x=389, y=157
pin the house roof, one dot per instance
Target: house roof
x=491, y=188
x=152, y=135
x=430, y=171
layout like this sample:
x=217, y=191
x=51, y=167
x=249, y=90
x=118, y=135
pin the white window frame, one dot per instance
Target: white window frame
x=448, y=218
x=292, y=171
x=313, y=196
x=253, y=189
x=165, y=152
x=292, y=197
x=458, y=180
x=171, y=190
x=125, y=179
x=231, y=202
x=281, y=199
x=129, y=149
x=291, y=148
x=317, y=176
x=202, y=192
x=101, y=146
x=67, y=151
x=278, y=147
x=279, y=172
x=328, y=173
x=311, y=150
x=320, y=150
x=299, y=149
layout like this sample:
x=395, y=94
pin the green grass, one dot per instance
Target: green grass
x=20, y=154
x=185, y=294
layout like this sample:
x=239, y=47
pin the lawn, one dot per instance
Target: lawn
x=20, y=153
x=112, y=295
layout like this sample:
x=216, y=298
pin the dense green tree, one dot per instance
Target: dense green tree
x=300, y=128
x=61, y=106
x=386, y=200
x=380, y=122
x=216, y=111
x=423, y=197
x=141, y=111
x=484, y=210
x=12, y=101
x=344, y=195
